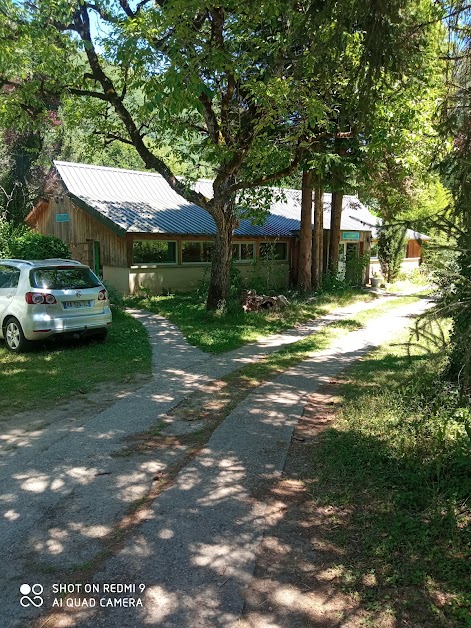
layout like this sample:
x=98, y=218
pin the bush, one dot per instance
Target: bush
x=331, y=282
x=391, y=250
x=20, y=242
x=31, y=245
x=115, y=297
x=6, y=235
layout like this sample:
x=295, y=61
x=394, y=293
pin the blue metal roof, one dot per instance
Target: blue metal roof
x=143, y=202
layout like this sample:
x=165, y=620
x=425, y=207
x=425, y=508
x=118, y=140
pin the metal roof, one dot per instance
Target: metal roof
x=143, y=202
x=135, y=201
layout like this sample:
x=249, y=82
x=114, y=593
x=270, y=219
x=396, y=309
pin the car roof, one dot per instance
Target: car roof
x=56, y=261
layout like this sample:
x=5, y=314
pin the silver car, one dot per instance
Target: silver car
x=39, y=299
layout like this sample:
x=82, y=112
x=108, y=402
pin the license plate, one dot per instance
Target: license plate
x=68, y=305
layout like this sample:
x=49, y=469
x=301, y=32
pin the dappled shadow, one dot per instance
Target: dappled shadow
x=369, y=535
x=65, y=491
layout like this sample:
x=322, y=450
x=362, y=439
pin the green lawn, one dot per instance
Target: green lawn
x=395, y=469
x=216, y=333
x=57, y=371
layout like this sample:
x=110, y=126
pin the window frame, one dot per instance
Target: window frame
x=274, y=242
x=154, y=264
x=184, y=263
x=238, y=260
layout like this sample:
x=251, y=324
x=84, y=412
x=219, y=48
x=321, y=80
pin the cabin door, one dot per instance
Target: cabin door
x=96, y=259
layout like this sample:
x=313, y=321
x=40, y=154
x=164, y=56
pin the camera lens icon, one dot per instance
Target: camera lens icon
x=31, y=595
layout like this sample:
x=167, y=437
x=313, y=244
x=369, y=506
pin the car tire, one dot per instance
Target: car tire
x=15, y=340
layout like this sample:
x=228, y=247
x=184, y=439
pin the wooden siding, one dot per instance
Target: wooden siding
x=80, y=230
x=413, y=249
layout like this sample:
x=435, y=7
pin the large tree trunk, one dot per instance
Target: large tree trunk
x=335, y=217
x=318, y=235
x=305, y=233
x=219, y=282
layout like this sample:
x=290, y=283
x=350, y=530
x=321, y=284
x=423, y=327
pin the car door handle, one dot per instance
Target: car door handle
x=9, y=296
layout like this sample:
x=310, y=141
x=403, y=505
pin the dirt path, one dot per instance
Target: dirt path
x=196, y=544
x=65, y=490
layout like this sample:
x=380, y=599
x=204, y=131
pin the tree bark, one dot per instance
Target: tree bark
x=335, y=217
x=223, y=212
x=318, y=235
x=305, y=233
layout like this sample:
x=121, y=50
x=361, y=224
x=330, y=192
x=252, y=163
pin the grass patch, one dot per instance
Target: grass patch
x=394, y=471
x=217, y=333
x=56, y=371
x=213, y=404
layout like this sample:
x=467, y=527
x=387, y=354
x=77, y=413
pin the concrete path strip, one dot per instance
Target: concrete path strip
x=195, y=551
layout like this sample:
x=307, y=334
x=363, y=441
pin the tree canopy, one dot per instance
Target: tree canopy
x=245, y=91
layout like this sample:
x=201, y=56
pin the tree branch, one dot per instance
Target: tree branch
x=298, y=156
x=152, y=162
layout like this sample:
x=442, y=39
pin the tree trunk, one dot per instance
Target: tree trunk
x=318, y=235
x=219, y=282
x=305, y=233
x=335, y=217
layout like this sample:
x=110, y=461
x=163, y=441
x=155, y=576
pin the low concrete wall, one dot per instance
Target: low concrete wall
x=167, y=279
x=117, y=277
x=185, y=278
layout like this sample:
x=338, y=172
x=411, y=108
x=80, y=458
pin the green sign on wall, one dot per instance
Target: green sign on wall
x=350, y=235
x=62, y=218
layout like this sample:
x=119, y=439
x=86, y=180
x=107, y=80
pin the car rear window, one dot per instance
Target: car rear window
x=63, y=278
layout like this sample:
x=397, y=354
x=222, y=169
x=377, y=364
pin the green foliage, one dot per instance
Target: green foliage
x=333, y=282
x=32, y=245
x=454, y=281
x=355, y=269
x=396, y=467
x=23, y=243
x=115, y=297
x=391, y=250
x=7, y=232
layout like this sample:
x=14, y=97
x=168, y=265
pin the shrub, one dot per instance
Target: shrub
x=20, y=242
x=31, y=245
x=6, y=234
x=391, y=250
x=115, y=297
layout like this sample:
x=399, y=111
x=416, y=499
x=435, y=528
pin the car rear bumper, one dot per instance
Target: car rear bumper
x=43, y=326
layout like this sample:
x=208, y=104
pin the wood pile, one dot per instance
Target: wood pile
x=251, y=302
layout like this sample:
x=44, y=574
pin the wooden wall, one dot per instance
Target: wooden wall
x=413, y=249
x=79, y=232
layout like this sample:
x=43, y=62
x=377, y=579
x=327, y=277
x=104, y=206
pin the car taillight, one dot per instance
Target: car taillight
x=37, y=298
x=102, y=296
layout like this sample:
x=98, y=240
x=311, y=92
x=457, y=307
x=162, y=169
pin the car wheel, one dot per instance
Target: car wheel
x=14, y=337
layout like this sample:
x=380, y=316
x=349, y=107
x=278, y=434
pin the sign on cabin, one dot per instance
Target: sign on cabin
x=62, y=217
x=350, y=235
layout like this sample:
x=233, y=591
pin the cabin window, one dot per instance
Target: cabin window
x=154, y=252
x=243, y=251
x=274, y=251
x=196, y=252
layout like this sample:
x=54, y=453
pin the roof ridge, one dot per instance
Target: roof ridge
x=57, y=162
